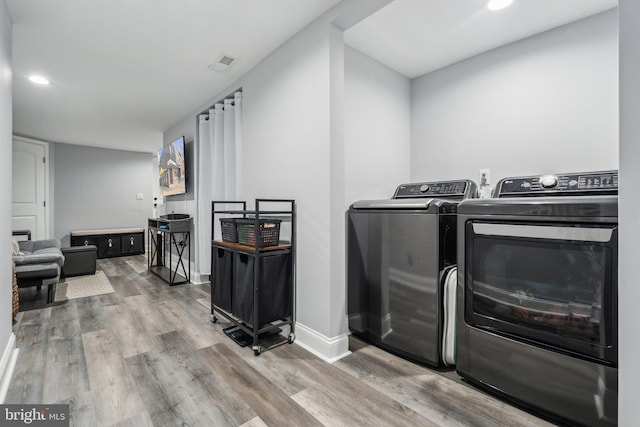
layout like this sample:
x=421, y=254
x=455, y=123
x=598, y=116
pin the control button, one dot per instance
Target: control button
x=548, y=181
x=424, y=188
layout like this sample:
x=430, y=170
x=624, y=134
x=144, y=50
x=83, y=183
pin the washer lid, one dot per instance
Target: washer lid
x=433, y=205
x=422, y=204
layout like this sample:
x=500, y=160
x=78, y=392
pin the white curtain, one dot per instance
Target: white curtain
x=219, y=134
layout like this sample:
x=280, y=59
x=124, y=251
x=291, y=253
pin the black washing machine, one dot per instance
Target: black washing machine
x=537, y=317
x=398, y=253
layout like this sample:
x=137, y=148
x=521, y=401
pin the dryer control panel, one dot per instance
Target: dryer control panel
x=462, y=189
x=561, y=184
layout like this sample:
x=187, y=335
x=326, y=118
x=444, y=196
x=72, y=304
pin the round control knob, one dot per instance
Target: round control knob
x=548, y=181
x=424, y=188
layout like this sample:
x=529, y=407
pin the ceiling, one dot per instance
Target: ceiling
x=122, y=71
x=415, y=37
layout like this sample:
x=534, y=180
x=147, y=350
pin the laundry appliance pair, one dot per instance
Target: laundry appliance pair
x=531, y=312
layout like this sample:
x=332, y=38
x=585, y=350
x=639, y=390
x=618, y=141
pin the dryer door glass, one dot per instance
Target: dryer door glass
x=538, y=283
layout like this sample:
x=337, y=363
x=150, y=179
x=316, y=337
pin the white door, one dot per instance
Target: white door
x=29, y=187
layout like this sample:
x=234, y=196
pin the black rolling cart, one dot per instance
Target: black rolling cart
x=253, y=271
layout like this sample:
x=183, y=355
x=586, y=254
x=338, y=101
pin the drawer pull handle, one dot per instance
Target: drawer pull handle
x=86, y=243
x=110, y=243
x=131, y=241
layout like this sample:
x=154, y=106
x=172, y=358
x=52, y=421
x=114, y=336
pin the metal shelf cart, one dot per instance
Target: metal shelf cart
x=253, y=285
x=167, y=236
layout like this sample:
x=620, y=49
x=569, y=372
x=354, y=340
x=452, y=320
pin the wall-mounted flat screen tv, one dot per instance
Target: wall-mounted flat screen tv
x=171, y=168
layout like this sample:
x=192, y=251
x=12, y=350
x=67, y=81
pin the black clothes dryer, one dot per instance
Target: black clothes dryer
x=538, y=294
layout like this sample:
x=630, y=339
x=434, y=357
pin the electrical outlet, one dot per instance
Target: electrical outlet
x=139, y=196
x=485, y=177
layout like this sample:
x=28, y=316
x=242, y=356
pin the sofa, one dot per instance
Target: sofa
x=38, y=263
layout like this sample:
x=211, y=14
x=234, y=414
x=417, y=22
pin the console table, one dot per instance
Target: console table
x=170, y=235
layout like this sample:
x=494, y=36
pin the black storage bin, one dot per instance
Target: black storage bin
x=79, y=260
x=222, y=283
x=274, y=287
x=132, y=243
x=109, y=246
x=84, y=241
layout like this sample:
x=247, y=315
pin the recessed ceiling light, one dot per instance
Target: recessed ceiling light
x=498, y=4
x=39, y=80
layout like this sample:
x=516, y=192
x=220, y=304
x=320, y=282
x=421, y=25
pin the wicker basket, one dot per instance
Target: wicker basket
x=228, y=227
x=269, y=230
x=16, y=300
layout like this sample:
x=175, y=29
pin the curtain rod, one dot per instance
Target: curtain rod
x=231, y=96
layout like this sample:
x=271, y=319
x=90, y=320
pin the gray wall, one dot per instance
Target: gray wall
x=377, y=128
x=6, y=273
x=95, y=188
x=628, y=289
x=546, y=104
x=292, y=119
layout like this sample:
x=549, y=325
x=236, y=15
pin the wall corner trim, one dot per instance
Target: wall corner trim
x=7, y=365
x=328, y=349
x=199, y=278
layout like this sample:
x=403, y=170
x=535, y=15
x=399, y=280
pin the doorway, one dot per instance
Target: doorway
x=30, y=187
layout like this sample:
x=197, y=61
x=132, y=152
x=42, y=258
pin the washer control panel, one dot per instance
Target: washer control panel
x=593, y=182
x=460, y=189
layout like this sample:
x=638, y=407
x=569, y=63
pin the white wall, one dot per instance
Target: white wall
x=628, y=289
x=286, y=154
x=545, y=104
x=7, y=340
x=95, y=188
x=294, y=139
x=376, y=144
x=377, y=128
x=301, y=112
x=288, y=126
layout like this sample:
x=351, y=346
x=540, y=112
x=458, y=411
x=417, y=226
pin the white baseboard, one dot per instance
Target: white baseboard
x=199, y=279
x=7, y=365
x=328, y=349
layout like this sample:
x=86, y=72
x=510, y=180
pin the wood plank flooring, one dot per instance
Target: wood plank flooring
x=148, y=355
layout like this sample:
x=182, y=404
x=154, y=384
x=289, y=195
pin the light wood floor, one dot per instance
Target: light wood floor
x=149, y=355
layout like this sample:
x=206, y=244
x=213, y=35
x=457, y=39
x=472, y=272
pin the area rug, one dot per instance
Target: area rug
x=83, y=286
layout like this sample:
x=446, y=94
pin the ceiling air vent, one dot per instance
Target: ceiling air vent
x=223, y=63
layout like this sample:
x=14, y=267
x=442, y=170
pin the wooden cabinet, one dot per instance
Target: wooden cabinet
x=111, y=242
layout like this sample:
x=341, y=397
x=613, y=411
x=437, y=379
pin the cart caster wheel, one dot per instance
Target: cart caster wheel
x=256, y=352
x=291, y=338
x=214, y=319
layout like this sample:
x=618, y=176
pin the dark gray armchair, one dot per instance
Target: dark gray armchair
x=38, y=263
